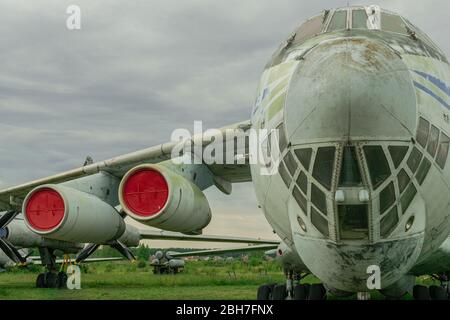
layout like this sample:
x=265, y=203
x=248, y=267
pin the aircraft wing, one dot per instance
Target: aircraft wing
x=12, y=197
x=89, y=260
x=222, y=251
x=167, y=235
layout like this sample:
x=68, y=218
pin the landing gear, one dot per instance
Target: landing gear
x=264, y=292
x=431, y=293
x=438, y=293
x=317, y=292
x=51, y=278
x=434, y=292
x=301, y=291
x=421, y=293
x=292, y=290
x=279, y=292
x=62, y=280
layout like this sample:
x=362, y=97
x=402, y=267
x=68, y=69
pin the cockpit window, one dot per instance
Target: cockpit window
x=353, y=221
x=393, y=23
x=403, y=180
x=359, y=19
x=422, y=132
x=323, y=166
x=433, y=141
x=397, y=154
x=318, y=199
x=350, y=175
x=378, y=166
x=309, y=29
x=319, y=222
x=339, y=21
x=304, y=156
x=414, y=160
x=387, y=197
x=389, y=222
x=442, y=153
x=408, y=197
x=282, y=141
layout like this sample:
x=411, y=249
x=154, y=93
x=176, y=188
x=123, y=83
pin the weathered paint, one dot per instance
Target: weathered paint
x=359, y=87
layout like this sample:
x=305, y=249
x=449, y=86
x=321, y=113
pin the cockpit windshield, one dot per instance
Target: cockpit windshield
x=359, y=19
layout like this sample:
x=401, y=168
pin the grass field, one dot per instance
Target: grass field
x=124, y=280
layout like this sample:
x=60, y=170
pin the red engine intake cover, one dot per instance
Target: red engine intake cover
x=145, y=192
x=45, y=209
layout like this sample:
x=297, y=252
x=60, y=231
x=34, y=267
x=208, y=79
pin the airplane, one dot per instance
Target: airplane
x=356, y=100
x=169, y=262
x=16, y=238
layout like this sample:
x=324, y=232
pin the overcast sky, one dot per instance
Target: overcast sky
x=139, y=69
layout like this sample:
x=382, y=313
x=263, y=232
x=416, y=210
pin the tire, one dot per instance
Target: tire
x=421, y=293
x=438, y=293
x=51, y=280
x=62, y=280
x=317, y=292
x=301, y=292
x=40, y=281
x=264, y=292
x=271, y=285
x=279, y=292
x=307, y=287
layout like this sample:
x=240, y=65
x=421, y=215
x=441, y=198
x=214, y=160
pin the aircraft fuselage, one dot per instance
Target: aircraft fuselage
x=363, y=121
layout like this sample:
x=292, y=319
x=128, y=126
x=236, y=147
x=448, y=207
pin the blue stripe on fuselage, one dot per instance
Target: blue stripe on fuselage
x=434, y=80
x=431, y=93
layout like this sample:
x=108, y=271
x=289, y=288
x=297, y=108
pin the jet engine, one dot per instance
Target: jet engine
x=157, y=196
x=63, y=213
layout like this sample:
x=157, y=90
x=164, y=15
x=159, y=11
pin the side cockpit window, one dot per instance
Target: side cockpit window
x=323, y=166
x=393, y=23
x=309, y=29
x=442, y=153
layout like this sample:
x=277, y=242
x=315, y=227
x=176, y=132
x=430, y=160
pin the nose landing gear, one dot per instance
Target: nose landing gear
x=292, y=289
x=441, y=292
x=51, y=278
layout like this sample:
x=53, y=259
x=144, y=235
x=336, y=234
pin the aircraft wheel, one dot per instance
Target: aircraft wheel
x=421, y=293
x=51, y=280
x=317, y=292
x=264, y=292
x=438, y=293
x=40, y=281
x=62, y=280
x=301, y=292
x=279, y=292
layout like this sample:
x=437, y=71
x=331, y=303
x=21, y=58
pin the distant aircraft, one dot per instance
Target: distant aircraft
x=360, y=100
x=170, y=262
x=164, y=263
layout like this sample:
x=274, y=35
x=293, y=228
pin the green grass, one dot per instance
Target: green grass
x=124, y=280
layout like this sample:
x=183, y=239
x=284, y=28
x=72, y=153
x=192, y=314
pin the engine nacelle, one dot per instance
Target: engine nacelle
x=156, y=196
x=131, y=237
x=63, y=213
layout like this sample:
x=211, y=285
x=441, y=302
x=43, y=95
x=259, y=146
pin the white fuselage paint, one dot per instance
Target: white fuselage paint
x=360, y=89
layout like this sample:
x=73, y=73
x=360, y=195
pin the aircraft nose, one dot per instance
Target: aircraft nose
x=352, y=88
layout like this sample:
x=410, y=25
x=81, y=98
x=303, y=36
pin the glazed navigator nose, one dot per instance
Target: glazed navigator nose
x=350, y=88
